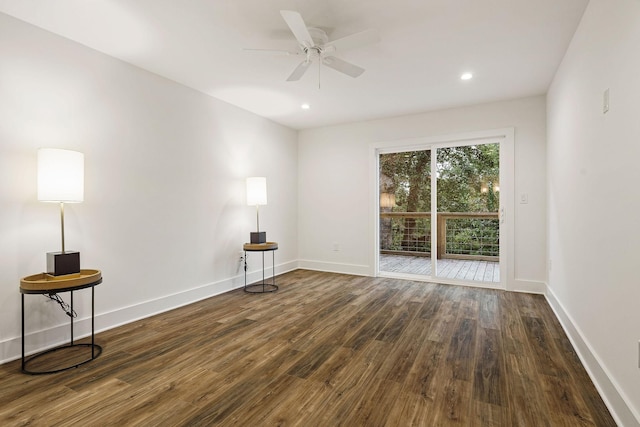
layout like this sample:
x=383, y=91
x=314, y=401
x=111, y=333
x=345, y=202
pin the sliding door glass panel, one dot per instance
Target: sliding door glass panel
x=405, y=212
x=468, y=235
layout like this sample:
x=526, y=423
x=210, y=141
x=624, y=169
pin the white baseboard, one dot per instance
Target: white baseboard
x=336, y=267
x=528, y=286
x=619, y=405
x=53, y=336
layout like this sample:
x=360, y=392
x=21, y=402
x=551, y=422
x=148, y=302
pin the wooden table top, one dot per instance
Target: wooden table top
x=43, y=282
x=268, y=246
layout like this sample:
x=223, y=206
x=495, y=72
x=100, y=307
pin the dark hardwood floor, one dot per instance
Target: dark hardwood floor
x=325, y=350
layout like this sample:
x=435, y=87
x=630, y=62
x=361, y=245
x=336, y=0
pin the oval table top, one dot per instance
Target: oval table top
x=44, y=282
x=268, y=246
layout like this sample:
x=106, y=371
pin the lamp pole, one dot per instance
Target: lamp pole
x=258, y=218
x=62, y=223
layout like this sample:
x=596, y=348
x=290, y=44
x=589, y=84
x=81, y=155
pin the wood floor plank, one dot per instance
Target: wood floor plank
x=195, y=386
x=513, y=333
x=487, y=415
x=453, y=406
x=311, y=361
x=258, y=412
x=247, y=386
x=526, y=400
x=567, y=407
x=543, y=345
x=379, y=315
x=432, y=302
x=90, y=406
x=428, y=363
x=471, y=303
x=326, y=349
x=488, y=310
x=336, y=362
x=341, y=397
x=145, y=406
x=461, y=353
x=377, y=400
x=392, y=331
x=489, y=384
x=299, y=409
x=411, y=410
x=402, y=357
x=325, y=320
x=20, y=411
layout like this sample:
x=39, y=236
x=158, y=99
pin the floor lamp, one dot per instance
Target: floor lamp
x=61, y=180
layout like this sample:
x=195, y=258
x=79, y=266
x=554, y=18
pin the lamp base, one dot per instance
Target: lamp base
x=258, y=237
x=60, y=263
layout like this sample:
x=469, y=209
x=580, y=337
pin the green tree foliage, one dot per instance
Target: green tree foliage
x=468, y=179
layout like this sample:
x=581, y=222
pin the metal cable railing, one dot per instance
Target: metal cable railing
x=464, y=235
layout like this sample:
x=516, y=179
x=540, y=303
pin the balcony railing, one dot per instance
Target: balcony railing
x=461, y=235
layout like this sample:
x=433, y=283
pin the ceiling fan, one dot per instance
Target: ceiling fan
x=314, y=44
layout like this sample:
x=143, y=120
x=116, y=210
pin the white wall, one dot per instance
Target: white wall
x=164, y=215
x=593, y=203
x=335, y=188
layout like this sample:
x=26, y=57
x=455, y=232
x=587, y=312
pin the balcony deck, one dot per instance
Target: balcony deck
x=484, y=271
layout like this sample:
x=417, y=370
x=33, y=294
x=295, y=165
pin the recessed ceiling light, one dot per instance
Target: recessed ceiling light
x=305, y=106
x=466, y=76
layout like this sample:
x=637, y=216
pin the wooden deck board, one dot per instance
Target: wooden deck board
x=459, y=269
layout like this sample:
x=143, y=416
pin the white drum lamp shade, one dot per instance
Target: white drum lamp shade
x=60, y=175
x=256, y=191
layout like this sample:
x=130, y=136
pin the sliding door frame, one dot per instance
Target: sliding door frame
x=505, y=137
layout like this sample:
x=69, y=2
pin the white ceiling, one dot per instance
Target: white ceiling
x=513, y=48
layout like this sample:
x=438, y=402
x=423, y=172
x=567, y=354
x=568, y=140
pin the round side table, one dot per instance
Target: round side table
x=259, y=288
x=44, y=283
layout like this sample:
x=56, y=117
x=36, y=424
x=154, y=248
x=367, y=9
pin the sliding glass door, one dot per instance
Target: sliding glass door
x=438, y=213
x=468, y=198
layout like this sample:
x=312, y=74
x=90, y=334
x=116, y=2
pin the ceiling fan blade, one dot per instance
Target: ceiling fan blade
x=342, y=66
x=299, y=71
x=354, y=40
x=271, y=51
x=298, y=27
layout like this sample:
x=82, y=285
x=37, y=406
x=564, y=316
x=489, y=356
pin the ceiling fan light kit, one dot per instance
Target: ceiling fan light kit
x=314, y=44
